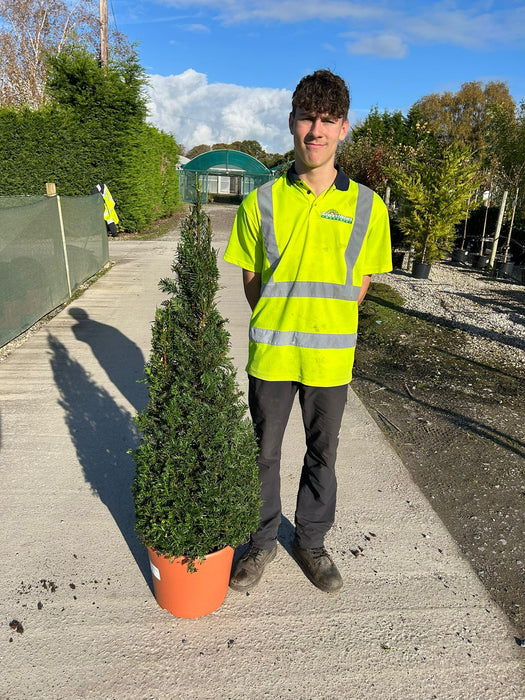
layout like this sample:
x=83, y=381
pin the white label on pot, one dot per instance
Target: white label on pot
x=154, y=570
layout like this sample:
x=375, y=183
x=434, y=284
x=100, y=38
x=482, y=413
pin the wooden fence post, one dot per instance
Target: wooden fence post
x=51, y=191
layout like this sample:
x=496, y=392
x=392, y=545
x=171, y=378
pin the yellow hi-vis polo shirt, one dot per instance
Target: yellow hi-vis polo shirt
x=312, y=253
x=110, y=215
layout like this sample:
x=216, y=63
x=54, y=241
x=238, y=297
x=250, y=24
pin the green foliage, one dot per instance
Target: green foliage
x=92, y=131
x=384, y=126
x=463, y=117
x=196, y=487
x=380, y=142
x=76, y=80
x=198, y=150
x=434, y=187
x=507, y=144
x=366, y=161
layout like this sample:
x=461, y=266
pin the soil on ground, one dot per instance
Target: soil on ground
x=458, y=425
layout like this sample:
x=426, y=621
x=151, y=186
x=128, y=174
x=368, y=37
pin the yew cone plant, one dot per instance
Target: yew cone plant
x=434, y=191
x=196, y=487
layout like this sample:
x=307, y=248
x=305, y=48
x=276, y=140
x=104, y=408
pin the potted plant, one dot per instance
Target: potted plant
x=434, y=189
x=196, y=488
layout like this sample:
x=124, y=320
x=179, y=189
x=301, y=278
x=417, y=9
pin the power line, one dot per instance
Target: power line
x=113, y=14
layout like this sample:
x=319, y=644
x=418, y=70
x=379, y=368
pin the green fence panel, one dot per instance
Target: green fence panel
x=35, y=275
x=86, y=236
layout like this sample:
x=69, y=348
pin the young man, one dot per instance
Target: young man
x=307, y=243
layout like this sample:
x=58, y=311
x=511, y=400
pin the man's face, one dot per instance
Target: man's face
x=316, y=137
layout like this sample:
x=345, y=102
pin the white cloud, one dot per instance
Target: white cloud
x=196, y=112
x=197, y=28
x=383, y=46
x=300, y=10
x=233, y=11
x=479, y=25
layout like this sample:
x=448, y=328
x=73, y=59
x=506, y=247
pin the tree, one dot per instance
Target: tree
x=381, y=141
x=252, y=148
x=366, y=161
x=507, y=143
x=31, y=30
x=435, y=190
x=77, y=81
x=198, y=150
x=380, y=126
x=463, y=117
x=196, y=487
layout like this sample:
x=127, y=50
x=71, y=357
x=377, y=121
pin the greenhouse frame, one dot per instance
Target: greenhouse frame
x=222, y=174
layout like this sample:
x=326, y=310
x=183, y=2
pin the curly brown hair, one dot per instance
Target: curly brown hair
x=322, y=92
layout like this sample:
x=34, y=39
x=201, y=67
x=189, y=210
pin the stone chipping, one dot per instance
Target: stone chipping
x=491, y=311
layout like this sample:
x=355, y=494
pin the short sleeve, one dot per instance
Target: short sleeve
x=245, y=246
x=377, y=249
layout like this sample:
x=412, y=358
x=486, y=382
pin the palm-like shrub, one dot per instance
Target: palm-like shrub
x=196, y=486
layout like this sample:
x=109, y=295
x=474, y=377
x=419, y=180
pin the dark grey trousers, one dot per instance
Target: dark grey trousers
x=322, y=410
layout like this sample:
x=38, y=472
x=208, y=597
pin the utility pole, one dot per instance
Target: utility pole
x=103, y=7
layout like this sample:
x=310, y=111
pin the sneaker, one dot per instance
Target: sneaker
x=318, y=566
x=250, y=567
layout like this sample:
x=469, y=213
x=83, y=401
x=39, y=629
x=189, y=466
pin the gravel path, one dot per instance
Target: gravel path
x=492, y=311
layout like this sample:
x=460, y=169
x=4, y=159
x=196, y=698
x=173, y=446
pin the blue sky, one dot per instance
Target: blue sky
x=222, y=70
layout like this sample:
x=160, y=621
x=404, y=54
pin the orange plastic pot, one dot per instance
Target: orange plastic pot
x=194, y=594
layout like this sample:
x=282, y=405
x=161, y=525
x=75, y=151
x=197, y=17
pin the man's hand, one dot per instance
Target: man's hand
x=252, y=287
x=364, y=288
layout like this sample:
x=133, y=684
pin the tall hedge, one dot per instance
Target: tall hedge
x=92, y=130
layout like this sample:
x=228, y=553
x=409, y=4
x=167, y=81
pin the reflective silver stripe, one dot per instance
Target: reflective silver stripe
x=318, y=341
x=313, y=290
x=363, y=210
x=322, y=290
x=265, y=204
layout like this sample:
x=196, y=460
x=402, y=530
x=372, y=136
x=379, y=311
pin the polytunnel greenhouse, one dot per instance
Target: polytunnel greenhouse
x=223, y=174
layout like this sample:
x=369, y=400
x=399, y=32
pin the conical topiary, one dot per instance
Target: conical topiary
x=196, y=486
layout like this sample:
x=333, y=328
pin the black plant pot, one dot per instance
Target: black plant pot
x=460, y=255
x=420, y=270
x=480, y=261
x=505, y=269
x=397, y=260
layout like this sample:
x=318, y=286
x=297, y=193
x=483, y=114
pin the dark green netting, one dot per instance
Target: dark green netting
x=34, y=269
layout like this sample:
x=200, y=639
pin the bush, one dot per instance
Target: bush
x=196, y=487
x=434, y=188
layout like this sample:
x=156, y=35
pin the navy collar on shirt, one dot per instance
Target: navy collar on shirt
x=341, y=182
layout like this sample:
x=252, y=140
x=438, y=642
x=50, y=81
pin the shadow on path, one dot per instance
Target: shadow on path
x=118, y=356
x=102, y=432
x=285, y=537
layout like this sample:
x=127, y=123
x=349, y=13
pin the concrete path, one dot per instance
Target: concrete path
x=413, y=621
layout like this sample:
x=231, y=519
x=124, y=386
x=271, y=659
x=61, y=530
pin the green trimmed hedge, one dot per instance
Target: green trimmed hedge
x=104, y=138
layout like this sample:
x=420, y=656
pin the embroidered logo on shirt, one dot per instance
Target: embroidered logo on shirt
x=336, y=216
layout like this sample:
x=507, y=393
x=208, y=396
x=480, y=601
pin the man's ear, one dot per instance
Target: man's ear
x=291, y=121
x=344, y=130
